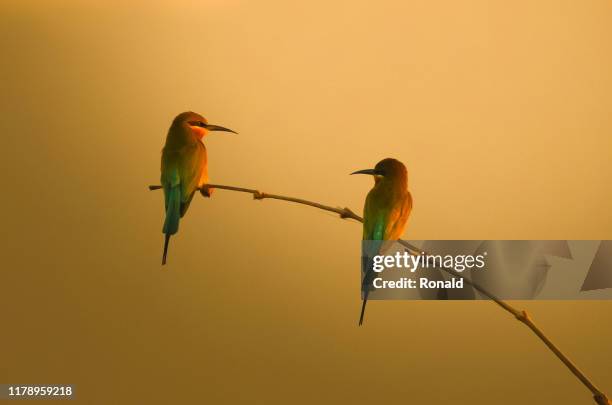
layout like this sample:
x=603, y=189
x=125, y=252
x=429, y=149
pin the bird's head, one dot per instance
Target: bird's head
x=197, y=124
x=389, y=169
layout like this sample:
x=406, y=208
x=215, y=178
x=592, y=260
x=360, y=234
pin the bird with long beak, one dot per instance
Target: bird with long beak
x=184, y=168
x=385, y=214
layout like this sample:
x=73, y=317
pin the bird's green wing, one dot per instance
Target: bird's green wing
x=169, y=178
x=171, y=183
x=374, y=218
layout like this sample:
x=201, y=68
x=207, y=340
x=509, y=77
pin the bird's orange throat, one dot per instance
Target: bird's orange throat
x=199, y=132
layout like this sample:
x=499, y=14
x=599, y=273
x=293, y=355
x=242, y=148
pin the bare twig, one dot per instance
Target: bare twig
x=599, y=397
x=258, y=195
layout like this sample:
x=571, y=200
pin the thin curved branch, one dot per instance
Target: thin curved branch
x=258, y=195
x=599, y=397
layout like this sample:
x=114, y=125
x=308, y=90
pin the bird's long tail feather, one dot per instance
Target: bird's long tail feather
x=365, y=287
x=173, y=214
x=166, y=241
x=363, y=305
x=368, y=276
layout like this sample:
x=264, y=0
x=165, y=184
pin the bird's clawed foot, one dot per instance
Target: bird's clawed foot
x=206, y=191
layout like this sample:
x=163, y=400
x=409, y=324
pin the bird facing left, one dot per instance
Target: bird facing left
x=386, y=211
x=184, y=168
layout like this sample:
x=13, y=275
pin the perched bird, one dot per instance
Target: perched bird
x=385, y=214
x=184, y=167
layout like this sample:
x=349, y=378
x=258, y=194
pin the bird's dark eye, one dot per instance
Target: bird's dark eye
x=201, y=124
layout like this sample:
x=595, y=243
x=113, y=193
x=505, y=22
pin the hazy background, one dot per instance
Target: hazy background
x=500, y=110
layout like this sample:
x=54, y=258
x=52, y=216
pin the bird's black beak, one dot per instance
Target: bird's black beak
x=372, y=172
x=211, y=127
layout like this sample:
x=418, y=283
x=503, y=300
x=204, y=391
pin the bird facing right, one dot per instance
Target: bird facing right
x=386, y=212
x=184, y=168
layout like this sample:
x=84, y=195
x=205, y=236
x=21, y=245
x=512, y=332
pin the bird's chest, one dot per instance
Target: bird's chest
x=201, y=164
x=195, y=163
